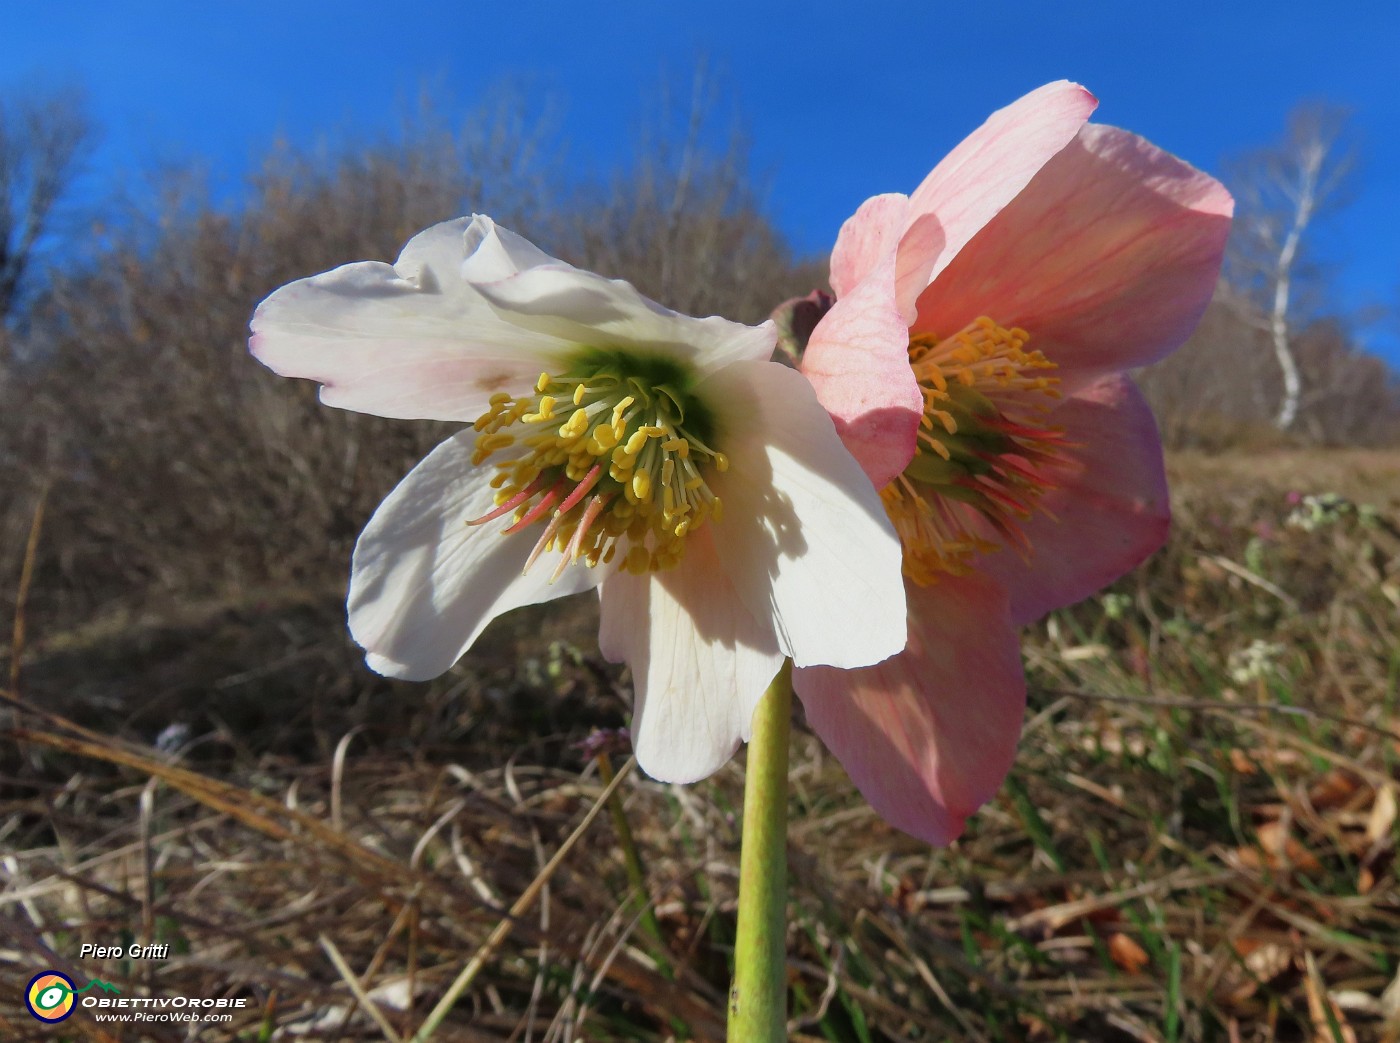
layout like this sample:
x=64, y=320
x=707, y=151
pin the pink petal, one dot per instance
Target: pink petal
x=1110, y=508
x=700, y=661
x=858, y=363
x=881, y=225
x=1107, y=259
x=920, y=248
x=866, y=237
x=991, y=166
x=928, y=736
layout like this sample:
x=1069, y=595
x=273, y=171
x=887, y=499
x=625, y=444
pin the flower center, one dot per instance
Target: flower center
x=612, y=450
x=979, y=469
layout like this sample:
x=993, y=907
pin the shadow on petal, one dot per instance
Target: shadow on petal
x=929, y=735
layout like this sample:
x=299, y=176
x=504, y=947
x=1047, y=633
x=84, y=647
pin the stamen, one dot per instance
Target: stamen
x=983, y=458
x=589, y=481
x=545, y=541
x=512, y=503
x=628, y=464
x=575, y=547
x=536, y=512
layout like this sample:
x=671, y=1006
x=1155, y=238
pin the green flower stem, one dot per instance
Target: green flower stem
x=758, y=997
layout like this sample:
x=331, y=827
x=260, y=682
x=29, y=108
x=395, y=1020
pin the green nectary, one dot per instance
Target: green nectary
x=972, y=447
x=649, y=376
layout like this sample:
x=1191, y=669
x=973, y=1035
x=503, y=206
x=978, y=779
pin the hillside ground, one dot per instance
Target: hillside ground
x=1196, y=843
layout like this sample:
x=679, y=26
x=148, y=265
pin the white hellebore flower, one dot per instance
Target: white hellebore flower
x=612, y=443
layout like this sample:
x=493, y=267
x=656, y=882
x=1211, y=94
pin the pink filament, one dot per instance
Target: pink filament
x=511, y=504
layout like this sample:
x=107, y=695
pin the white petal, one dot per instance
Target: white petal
x=700, y=662
x=413, y=340
x=804, y=536
x=570, y=304
x=493, y=252
x=424, y=584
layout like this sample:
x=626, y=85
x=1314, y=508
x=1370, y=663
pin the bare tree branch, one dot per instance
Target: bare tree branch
x=1281, y=191
x=42, y=139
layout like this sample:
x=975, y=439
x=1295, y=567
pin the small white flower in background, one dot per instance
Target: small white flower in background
x=172, y=737
x=611, y=443
x=1257, y=660
x=1115, y=606
x=1318, y=511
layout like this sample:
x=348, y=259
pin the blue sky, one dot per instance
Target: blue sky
x=839, y=100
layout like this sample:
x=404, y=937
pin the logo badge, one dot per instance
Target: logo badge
x=50, y=996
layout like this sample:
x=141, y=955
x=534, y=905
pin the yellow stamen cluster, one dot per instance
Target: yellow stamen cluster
x=603, y=458
x=934, y=531
x=983, y=454
x=985, y=357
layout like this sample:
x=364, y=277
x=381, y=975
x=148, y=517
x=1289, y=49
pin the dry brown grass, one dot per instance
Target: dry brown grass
x=1180, y=854
x=199, y=757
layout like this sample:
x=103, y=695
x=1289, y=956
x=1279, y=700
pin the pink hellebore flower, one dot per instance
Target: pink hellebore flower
x=661, y=458
x=974, y=363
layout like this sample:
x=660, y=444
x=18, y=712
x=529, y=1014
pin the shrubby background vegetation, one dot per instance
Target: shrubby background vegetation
x=1198, y=842
x=178, y=467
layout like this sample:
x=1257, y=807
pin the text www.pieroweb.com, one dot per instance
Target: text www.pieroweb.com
x=138, y=1008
